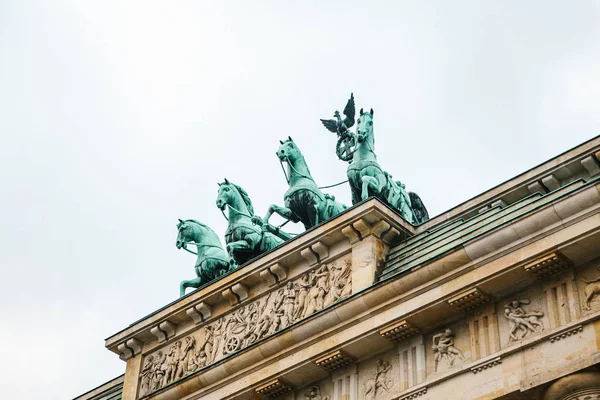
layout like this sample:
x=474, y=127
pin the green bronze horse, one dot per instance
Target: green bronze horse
x=245, y=238
x=366, y=177
x=304, y=201
x=212, y=260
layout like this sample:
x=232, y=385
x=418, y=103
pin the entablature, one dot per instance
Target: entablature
x=263, y=275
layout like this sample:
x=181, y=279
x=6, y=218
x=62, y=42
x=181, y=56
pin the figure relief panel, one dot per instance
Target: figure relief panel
x=297, y=299
x=171, y=363
x=588, y=287
x=522, y=316
x=522, y=323
x=378, y=377
x=316, y=391
x=447, y=348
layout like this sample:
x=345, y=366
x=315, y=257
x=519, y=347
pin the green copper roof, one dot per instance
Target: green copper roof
x=427, y=246
x=111, y=390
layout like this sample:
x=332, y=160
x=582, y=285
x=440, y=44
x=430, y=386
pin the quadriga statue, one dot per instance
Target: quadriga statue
x=212, y=260
x=365, y=176
x=245, y=236
x=304, y=201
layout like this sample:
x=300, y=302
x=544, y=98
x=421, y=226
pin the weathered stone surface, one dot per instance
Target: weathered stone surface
x=503, y=304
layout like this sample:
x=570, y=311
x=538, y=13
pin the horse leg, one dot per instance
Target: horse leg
x=282, y=211
x=193, y=283
x=588, y=298
x=315, y=210
x=356, y=194
x=369, y=182
x=240, y=245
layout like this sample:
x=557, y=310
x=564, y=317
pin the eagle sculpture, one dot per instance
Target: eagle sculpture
x=339, y=125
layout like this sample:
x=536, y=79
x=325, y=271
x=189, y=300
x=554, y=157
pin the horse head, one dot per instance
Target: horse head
x=235, y=197
x=190, y=230
x=183, y=233
x=364, y=125
x=288, y=151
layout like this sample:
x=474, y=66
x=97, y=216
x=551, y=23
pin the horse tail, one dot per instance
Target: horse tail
x=419, y=209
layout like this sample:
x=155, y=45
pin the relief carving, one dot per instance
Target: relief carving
x=521, y=323
x=444, y=349
x=315, y=394
x=160, y=369
x=381, y=383
x=590, y=291
x=301, y=298
x=307, y=295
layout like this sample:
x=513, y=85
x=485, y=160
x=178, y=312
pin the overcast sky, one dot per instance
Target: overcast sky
x=118, y=117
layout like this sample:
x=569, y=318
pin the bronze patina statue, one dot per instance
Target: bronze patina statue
x=365, y=176
x=248, y=236
x=346, y=140
x=245, y=237
x=304, y=201
x=212, y=260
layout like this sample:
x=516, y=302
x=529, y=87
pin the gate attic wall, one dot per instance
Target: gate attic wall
x=497, y=302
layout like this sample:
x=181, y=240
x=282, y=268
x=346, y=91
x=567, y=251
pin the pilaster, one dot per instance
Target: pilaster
x=370, y=243
x=132, y=372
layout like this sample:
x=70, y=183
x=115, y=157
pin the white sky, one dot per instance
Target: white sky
x=118, y=117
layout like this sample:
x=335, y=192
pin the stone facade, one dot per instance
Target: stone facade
x=496, y=298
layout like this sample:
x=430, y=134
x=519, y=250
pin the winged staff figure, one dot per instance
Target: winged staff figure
x=346, y=140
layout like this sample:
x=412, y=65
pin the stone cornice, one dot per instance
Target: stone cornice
x=370, y=217
x=576, y=157
x=374, y=303
x=575, y=203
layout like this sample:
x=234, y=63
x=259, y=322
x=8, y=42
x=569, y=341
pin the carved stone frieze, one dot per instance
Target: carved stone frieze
x=399, y=331
x=522, y=322
x=248, y=324
x=590, y=291
x=548, y=265
x=445, y=352
x=178, y=360
x=381, y=383
x=315, y=394
x=468, y=300
x=334, y=360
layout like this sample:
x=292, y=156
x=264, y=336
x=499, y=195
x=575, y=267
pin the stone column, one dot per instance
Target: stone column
x=132, y=374
x=369, y=249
